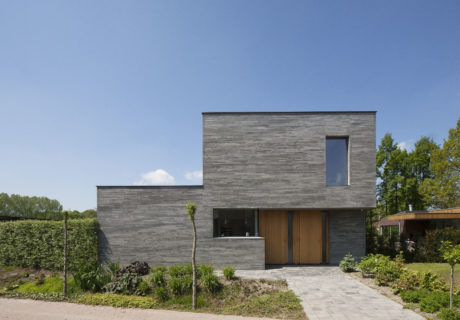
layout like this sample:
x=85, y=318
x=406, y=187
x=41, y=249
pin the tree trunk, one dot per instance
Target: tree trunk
x=65, y=253
x=194, y=266
x=451, y=284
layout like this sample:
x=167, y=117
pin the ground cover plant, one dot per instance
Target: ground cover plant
x=162, y=288
x=418, y=285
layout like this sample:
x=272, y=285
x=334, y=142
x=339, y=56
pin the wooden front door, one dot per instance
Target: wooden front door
x=294, y=237
x=307, y=237
x=273, y=226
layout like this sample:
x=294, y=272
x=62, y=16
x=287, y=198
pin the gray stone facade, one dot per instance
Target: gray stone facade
x=251, y=160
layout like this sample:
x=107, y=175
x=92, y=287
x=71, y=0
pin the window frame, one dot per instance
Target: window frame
x=255, y=223
x=347, y=159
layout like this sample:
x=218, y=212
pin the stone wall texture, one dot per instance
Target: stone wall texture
x=251, y=160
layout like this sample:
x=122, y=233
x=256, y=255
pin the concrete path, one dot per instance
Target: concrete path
x=328, y=293
x=21, y=309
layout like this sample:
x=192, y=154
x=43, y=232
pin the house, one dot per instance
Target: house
x=278, y=188
x=414, y=224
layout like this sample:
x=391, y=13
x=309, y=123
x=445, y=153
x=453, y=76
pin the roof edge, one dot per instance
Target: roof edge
x=286, y=112
x=152, y=187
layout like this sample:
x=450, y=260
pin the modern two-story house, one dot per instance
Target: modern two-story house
x=278, y=188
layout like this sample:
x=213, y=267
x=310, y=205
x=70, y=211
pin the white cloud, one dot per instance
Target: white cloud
x=405, y=145
x=156, y=177
x=194, y=175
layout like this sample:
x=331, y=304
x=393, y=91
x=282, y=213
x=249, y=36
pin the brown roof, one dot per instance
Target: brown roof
x=450, y=213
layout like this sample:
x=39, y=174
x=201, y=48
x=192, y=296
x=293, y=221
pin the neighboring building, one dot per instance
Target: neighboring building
x=278, y=188
x=415, y=224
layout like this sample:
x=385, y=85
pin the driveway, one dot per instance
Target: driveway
x=328, y=293
x=20, y=309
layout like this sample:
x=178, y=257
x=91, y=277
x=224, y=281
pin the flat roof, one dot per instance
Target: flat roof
x=450, y=213
x=287, y=112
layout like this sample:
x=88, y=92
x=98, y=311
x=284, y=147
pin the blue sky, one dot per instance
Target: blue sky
x=109, y=92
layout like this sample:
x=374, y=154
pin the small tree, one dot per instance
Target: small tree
x=191, y=209
x=451, y=254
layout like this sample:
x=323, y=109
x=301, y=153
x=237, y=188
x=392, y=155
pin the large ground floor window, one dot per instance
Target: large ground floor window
x=235, y=222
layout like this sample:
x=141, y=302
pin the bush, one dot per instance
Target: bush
x=433, y=302
x=449, y=314
x=229, y=273
x=205, y=269
x=211, y=283
x=161, y=294
x=157, y=278
x=143, y=289
x=39, y=244
x=413, y=296
x=433, y=240
x=368, y=264
x=139, y=268
x=158, y=268
x=127, y=283
x=177, y=271
x=408, y=280
x=348, y=263
x=91, y=277
x=386, y=271
x=180, y=286
x=432, y=282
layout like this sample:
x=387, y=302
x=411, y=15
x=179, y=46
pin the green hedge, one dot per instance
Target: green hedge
x=39, y=244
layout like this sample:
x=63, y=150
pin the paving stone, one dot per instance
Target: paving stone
x=328, y=293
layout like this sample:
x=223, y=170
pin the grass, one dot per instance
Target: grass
x=51, y=284
x=441, y=269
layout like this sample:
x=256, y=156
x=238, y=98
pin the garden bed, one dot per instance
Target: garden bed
x=245, y=297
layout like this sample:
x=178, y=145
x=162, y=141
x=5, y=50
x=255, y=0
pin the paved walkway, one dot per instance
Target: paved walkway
x=21, y=309
x=328, y=293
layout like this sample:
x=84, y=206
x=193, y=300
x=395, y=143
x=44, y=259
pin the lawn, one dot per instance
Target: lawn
x=441, y=269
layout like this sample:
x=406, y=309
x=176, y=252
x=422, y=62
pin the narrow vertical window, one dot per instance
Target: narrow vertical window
x=336, y=161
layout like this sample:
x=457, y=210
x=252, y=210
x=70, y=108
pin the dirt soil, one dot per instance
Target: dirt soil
x=20, y=309
x=11, y=275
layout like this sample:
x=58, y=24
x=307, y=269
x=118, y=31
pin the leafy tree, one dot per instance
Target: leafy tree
x=191, y=210
x=451, y=254
x=443, y=188
x=29, y=207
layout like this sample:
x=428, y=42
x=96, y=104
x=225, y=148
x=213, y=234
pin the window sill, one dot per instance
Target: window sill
x=239, y=238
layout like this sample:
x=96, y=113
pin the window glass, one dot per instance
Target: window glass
x=336, y=161
x=234, y=222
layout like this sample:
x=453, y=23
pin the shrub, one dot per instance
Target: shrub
x=211, y=283
x=369, y=263
x=177, y=271
x=449, y=314
x=229, y=273
x=158, y=268
x=161, y=294
x=432, y=282
x=408, y=280
x=139, y=268
x=386, y=270
x=413, y=296
x=433, y=302
x=157, y=278
x=180, y=286
x=127, y=283
x=39, y=244
x=91, y=277
x=205, y=269
x=143, y=289
x=348, y=263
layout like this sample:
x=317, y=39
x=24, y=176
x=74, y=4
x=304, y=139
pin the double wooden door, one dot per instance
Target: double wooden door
x=292, y=237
